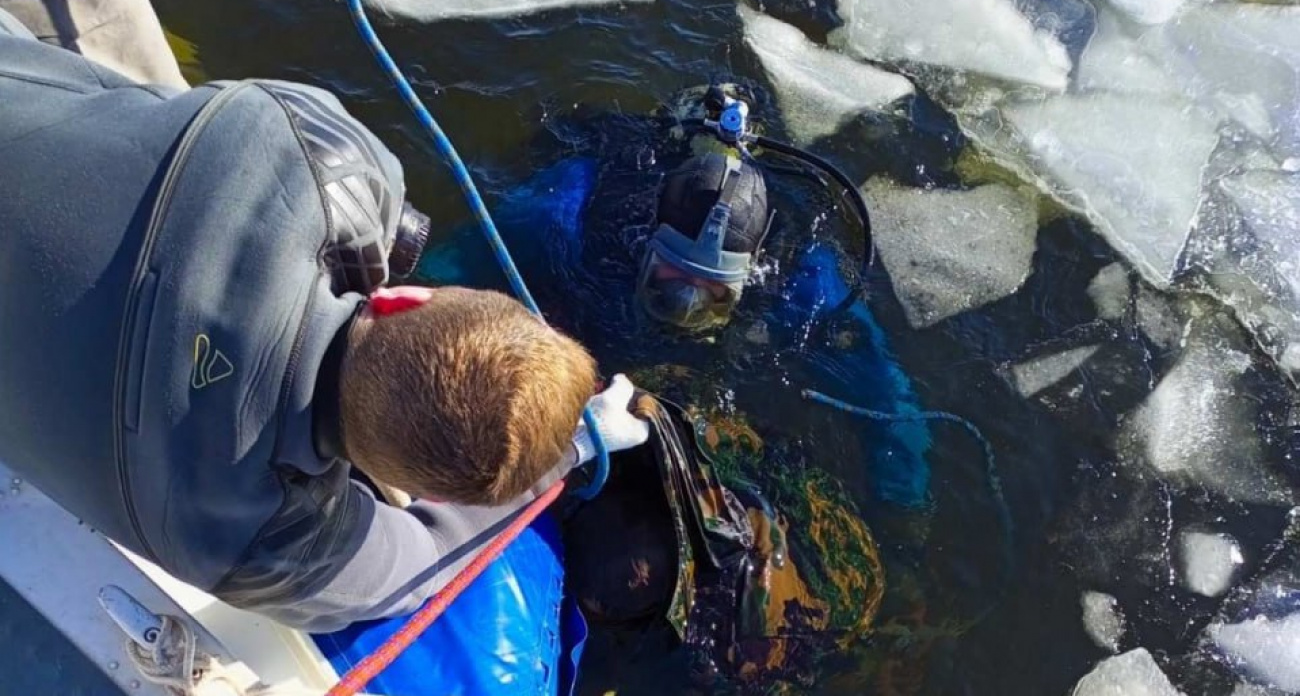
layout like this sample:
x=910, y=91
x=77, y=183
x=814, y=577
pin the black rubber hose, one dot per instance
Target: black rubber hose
x=859, y=207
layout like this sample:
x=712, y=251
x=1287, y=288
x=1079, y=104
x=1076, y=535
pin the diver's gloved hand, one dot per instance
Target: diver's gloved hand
x=620, y=429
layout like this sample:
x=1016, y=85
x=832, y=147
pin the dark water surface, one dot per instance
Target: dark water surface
x=1083, y=521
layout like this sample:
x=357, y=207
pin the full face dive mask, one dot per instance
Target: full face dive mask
x=753, y=597
x=695, y=283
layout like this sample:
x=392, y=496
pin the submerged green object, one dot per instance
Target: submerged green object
x=751, y=599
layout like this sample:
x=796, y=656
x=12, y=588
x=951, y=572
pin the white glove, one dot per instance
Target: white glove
x=617, y=426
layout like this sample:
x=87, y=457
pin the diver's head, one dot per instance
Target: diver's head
x=712, y=218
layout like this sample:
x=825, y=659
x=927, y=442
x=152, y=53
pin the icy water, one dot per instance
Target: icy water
x=1088, y=220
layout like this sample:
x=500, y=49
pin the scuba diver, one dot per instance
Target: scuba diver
x=760, y=594
x=651, y=247
x=647, y=246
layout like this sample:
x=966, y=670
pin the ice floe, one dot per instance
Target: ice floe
x=1160, y=317
x=1036, y=374
x=1240, y=60
x=1135, y=673
x=1248, y=57
x=1134, y=165
x=1102, y=620
x=817, y=89
x=436, y=10
x=1255, y=266
x=1198, y=427
x=1115, y=60
x=988, y=37
x=1210, y=561
x=1148, y=11
x=1111, y=291
x=1267, y=649
x=948, y=252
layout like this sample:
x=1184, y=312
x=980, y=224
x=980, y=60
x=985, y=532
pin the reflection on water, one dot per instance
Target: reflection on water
x=1088, y=221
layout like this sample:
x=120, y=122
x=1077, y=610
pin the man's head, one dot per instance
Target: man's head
x=713, y=217
x=459, y=395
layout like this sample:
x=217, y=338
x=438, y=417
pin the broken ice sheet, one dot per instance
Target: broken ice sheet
x=1246, y=689
x=1256, y=269
x=948, y=252
x=1242, y=62
x=1267, y=649
x=1209, y=562
x=1198, y=427
x=818, y=90
x=435, y=10
x=1133, y=164
x=1039, y=373
x=1115, y=60
x=1110, y=292
x=1102, y=620
x=1135, y=673
x=1249, y=57
x=1162, y=317
x=1148, y=11
x=989, y=37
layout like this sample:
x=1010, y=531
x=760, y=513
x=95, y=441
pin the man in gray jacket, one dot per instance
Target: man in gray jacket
x=197, y=350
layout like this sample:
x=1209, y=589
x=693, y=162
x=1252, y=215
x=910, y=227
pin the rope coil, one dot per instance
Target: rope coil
x=170, y=658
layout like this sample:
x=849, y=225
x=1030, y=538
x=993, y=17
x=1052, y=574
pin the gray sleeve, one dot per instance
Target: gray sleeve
x=405, y=557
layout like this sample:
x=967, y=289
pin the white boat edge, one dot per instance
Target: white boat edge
x=59, y=565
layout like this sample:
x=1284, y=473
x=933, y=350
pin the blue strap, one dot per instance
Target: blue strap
x=461, y=174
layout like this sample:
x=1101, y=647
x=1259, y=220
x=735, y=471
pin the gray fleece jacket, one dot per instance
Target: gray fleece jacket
x=178, y=269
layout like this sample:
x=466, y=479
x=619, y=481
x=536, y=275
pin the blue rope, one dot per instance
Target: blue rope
x=995, y=482
x=461, y=174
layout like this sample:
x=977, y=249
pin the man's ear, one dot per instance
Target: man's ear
x=385, y=301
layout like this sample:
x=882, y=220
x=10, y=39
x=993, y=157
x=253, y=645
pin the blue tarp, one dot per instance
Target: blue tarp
x=510, y=632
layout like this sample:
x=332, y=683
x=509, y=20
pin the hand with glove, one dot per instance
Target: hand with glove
x=617, y=426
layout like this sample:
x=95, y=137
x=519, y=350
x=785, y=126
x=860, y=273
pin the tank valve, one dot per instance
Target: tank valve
x=733, y=123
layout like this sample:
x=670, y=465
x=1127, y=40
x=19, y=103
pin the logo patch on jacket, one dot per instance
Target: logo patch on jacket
x=210, y=365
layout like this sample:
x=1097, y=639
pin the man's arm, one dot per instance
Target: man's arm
x=405, y=556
